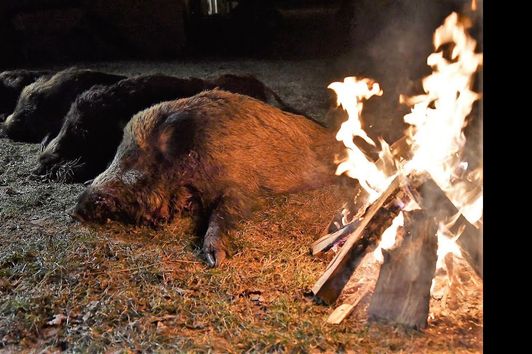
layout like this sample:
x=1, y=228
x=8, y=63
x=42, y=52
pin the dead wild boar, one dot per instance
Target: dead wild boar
x=93, y=127
x=212, y=155
x=42, y=105
x=11, y=84
x=251, y=86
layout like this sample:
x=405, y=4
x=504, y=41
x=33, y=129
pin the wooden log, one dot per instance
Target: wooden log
x=400, y=150
x=326, y=242
x=434, y=200
x=471, y=243
x=402, y=292
x=377, y=218
x=345, y=309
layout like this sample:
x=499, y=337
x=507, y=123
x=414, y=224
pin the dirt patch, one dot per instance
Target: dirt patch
x=85, y=288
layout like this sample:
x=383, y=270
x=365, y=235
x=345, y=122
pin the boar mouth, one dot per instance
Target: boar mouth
x=125, y=217
x=100, y=208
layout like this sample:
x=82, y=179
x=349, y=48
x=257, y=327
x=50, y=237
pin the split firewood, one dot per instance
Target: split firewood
x=402, y=292
x=471, y=239
x=345, y=309
x=399, y=150
x=326, y=242
x=471, y=243
x=376, y=220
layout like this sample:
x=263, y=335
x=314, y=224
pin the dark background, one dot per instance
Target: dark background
x=387, y=40
x=57, y=31
x=44, y=31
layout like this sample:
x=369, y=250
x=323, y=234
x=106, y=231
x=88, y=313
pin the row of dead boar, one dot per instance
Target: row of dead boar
x=153, y=147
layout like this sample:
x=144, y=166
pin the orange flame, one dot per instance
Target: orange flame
x=436, y=135
x=438, y=117
x=388, y=237
x=446, y=244
x=350, y=95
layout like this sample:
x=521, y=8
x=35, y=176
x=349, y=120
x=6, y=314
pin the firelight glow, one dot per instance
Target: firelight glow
x=446, y=244
x=438, y=117
x=388, y=237
x=350, y=95
x=436, y=138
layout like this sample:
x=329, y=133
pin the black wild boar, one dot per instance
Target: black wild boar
x=211, y=154
x=250, y=86
x=43, y=104
x=11, y=84
x=93, y=126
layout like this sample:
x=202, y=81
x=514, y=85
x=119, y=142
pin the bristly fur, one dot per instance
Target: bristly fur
x=93, y=126
x=63, y=173
x=251, y=86
x=215, y=152
x=42, y=105
x=11, y=85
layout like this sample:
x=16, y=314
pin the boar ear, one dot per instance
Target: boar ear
x=177, y=133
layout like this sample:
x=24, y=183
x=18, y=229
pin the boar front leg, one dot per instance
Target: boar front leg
x=229, y=208
x=214, y=241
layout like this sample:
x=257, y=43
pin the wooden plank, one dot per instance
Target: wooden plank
x=434, y=200
x=399, y=149
x=330, y=284
x=402, y=292
x=344, y=310
x=326, y=242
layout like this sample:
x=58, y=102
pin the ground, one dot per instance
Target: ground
x=74, y=287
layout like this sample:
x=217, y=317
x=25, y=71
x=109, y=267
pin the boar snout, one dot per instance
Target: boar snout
x=11, y=128
x=45, y=163
x=95, y=206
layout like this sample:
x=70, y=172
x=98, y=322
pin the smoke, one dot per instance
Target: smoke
x=390, y=41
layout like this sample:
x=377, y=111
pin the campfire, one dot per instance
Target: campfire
x=419, y=201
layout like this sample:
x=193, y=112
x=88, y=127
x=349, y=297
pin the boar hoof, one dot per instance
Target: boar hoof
x=213, y=243
x=214, y=251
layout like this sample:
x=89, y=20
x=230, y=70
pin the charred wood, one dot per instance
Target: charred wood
x=377, y=218
x=402, y=292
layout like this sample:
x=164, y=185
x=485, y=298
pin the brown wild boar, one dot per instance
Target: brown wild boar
x=212, y=154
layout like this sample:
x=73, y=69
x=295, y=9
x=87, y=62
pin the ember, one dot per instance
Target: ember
x=420, y=200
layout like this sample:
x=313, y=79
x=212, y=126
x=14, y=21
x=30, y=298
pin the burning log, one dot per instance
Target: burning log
x=378, y=217
x=436, y=142
x=471, y=244
x=326, y=242
x=470, y=240
x=335, y=234
x=402, y=292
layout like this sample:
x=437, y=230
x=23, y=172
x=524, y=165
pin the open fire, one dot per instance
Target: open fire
x=420, y=195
